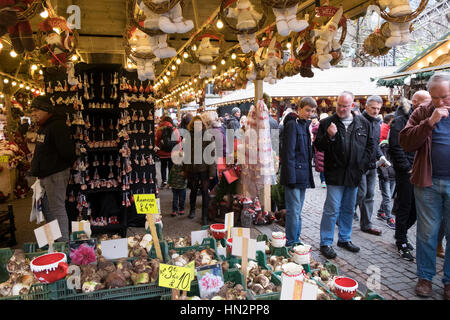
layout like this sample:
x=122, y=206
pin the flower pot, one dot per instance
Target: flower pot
x=278, y=239
x=345, y=288
x=218, y=231
x=49, y=267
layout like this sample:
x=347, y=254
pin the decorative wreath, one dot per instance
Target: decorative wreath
x=374, y=43
x=133, y=21
x=222, y=16
x=31, y=11
x=161, y=7
x=129, y=52
x=386, y=16
x=193, y=55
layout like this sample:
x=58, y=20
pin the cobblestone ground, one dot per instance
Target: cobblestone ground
x=398, y=276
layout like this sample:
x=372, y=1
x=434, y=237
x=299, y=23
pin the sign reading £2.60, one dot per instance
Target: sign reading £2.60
x=146, y=204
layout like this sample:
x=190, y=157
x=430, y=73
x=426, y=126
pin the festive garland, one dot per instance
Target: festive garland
x=222, y=16
x=408, y=18
x=31, y=11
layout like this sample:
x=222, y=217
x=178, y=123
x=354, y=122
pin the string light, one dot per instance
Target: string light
x=185, y=55
x=40, y=72
x=44, y=14
x=74, y=57
x=21, y=85
x=168, y=73
x=222, y=61
x=194, y=48
x=1, y=46
x=6, y=80
x=178, y=61
x=174, y=68
x=13, y=83
x=233, y=56
x=13, y=54
x=214, y=67
x=288, y=45
x=219, y=24
x=27, y=87
x=34, y=67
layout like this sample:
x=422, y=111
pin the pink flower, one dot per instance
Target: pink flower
x=83, y=255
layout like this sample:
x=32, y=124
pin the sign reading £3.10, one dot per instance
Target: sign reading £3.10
x=146, y=203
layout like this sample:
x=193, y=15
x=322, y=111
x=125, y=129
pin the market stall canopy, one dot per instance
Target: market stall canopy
x=329, y=82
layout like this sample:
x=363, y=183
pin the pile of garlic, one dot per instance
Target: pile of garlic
x=20, y=276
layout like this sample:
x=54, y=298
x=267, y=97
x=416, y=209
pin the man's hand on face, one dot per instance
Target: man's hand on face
x=438, y=114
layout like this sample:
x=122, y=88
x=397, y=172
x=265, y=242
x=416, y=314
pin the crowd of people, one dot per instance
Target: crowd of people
x=407, y=152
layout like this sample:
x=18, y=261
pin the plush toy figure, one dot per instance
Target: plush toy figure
x=326, y=43
x=286, y=20
x=20, y=32
x=141, y=44
x=399, y=31
x=247, y=18
x=158, y=43
x=205, y=55
x=58, y=44
x=172, y=21
x=305, y=69
x=271, y=62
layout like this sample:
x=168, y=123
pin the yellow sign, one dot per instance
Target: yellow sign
x=4, y=159
x=174, y=277
x=146, y=204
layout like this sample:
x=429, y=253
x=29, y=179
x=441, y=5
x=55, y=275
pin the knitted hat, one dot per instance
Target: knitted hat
x=42, y=103
x=235, y=109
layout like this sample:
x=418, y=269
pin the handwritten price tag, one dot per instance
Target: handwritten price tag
x=146, y=204
x=174, y=277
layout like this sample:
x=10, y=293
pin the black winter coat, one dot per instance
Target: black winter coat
x=343, y=169
x=386, y=173
x=401, y=160
x=55, y=150
x=296, y=156
x=376, y=127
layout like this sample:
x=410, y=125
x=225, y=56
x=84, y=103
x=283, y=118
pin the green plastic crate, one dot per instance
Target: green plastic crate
x=164, y=251
x=260, y=259
x=32, y=247
x=59, y=291
x=206, y=243
x=38, y=291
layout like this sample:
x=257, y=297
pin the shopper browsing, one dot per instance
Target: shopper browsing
x=296, y=166
x=428, y=133
x=346, y=140
x=53, y=157
x=177, y=181
x=166, y=138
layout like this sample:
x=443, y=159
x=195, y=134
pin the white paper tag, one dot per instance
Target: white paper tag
x=115, y=249
x=82, y=225
x=261, y=246
x=229, y=217
x=296, y=289
x=240, y=232
x=41, y=236
x=237, y=247
x=221, y=251
x=198, y=236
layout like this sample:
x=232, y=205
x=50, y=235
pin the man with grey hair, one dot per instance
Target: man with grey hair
x=346, y=141
x=366, y=189
x=428, y=134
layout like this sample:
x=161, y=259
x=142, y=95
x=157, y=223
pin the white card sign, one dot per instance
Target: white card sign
x=261, y=246
x=237, y=248
x=82, y=225
x=293, y=288
x=221, y=251
x=198, y=236
x=240, y=232
x=48, y=233
x=115, y=249
x=229, y=217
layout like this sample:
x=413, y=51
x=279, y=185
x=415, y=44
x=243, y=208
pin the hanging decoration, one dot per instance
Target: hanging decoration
x=206, y=55
x=328, y=49
x=285, y=12
x=150, y=26
x=399, y=17
x=270, y=62
x=249, y=21
x=375, y=43
x=15, y=18
x=304, y=51
x=60, y=40
x=140, y=51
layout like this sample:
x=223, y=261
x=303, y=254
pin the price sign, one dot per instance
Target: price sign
x=146, y=204
x=4, y=159
x=174, y=277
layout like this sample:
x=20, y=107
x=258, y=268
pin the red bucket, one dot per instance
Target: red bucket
x=345, y=288
x=218, y=231
x=49, y=267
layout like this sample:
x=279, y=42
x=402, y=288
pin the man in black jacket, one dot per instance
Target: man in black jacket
x=366, y=189
x=53, y=157
x=346, y=140
x=404, y=203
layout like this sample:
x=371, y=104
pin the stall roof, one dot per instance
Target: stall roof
x=329, y=82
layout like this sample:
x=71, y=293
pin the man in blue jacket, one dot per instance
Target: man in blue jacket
x=346, y=140
x=296, y=167
x=53, y=157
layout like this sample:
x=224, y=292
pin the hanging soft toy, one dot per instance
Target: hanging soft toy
x=206, y=53
x=158, y=42
x=247, y=18
x=142, y=55
x=399, y=31
x=173, y=21
x=271, y=63
x=326, y=42
x=20, y=32
x=58, y=40
x=286, y=20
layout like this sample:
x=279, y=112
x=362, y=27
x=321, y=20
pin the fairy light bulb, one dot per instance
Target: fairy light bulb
x=21, y=85
x=222, y=62
x=74, y=57
x=13, y=54
x=233, y=56
x=1, y=46
x=44, y=14
x=178, y=61
x=6, y=81
x=185, y=55
x=219, y=24
x=214, y=67
x=27, y=87
x=34, y=67
x=174, y=68
x=194, y=48
x=288, y=45
x=168, y=73
x=13, y=83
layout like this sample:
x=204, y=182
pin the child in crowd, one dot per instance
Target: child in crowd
x=386, y=179
x=178, y=182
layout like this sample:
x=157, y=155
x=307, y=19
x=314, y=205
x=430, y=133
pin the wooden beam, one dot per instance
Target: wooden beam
x=194, y=7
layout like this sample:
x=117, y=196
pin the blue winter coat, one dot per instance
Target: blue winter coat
x=296, y=154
